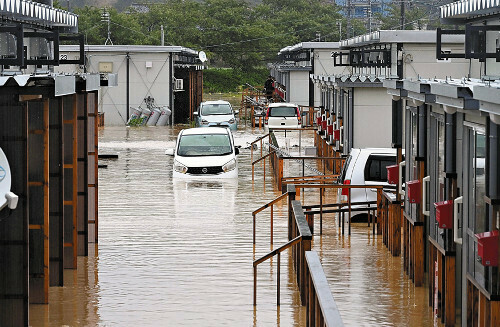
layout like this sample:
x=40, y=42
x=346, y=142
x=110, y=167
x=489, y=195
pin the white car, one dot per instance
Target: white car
x=283, y=115
x=216, y=113
x=366, y=167
x=206, y=152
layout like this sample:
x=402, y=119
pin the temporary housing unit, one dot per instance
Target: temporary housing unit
x=449, y=128
x=357, y=108
x=171, y=75
x=296, y=63
x=48, y=135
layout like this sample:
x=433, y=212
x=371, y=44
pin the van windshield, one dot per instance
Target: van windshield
x=204, y=145
x=216, y=109
x=283, y=112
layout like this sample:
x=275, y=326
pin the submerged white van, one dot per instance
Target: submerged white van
x=366, y=167
x=282, y=115
x=205, y=152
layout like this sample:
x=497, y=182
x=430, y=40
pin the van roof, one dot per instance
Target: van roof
x=216, y=102
x=204, y=130
x=282, y=104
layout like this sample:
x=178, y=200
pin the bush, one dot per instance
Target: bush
x=224, y=80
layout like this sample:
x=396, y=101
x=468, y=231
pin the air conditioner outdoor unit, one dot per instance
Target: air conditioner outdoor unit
x=178, y=84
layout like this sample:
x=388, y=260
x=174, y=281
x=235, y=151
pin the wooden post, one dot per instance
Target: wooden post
x=38, y=188
x=449, y=301
x=272, y=214
x=278, y=277
x=255, y=285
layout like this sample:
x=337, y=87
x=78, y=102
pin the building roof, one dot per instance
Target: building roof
x=38, y=14
x=309, y=46
x=131, y=49
x=469, y=10
x=399, y=36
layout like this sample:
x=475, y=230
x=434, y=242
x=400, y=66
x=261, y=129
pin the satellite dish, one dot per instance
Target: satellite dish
x=202, y=56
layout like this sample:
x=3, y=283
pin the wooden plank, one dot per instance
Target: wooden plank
x=14, y=240
x=70, y=181
x=82, y=180
x=38, y=188
x=326, y=302
x=494, y=313
x=56, y=198
x=470, y=303
x=419, y=255
x=449, y=311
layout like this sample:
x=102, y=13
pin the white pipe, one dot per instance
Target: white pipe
x=400, y=180
x=456, y=202
x=424, y=195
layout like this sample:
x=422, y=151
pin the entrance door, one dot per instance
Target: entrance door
x=436, y=172
x=475, y=217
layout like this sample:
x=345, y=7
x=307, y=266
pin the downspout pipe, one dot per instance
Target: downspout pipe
x=128, y=86
x=171, y=88
x=422, y=131
x=450, y=145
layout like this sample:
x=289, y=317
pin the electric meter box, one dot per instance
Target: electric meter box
x=414, y=191
x=487, y=248
x=444, y=214
x=392, y=174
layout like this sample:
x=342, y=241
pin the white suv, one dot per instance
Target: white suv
x=366, y=167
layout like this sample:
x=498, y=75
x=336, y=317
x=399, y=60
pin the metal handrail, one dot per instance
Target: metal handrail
x=278, y=250
x=260, y=138
x=271, y=254
x=255, y=212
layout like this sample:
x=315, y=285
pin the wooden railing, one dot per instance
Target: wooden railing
x=308, y=119
x=320, y=306
x=315, y=293
x=265, y=206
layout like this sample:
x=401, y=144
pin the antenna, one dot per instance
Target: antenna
x=105, y=18
x=202, y=56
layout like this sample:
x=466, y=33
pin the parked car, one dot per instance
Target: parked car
x=207, y=152
x=282, y=115
x=366, y=167
x=216, y=113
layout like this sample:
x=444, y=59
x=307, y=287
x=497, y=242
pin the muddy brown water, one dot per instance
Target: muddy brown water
x=179, y=253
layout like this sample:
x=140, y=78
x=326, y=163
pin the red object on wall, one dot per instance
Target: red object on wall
x=345, y=191
x=444, y=214
x=392, y=174
x=336, y=134
x=414, y=191
x=323, y=124
x=318, y=121
x=329, y=129
x=487, y=248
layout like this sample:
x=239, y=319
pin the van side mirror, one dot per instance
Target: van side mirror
x=169, y=152
x=195, y=113
x=236, y=151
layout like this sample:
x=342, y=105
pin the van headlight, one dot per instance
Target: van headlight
x=180, y=168
x=231, y=121
x=231, y=165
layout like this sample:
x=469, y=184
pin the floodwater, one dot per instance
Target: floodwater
x=180, y=253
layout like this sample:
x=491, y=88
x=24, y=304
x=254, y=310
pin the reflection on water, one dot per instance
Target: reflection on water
x=179, y=253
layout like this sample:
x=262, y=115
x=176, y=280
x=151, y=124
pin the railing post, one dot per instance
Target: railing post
x=272, y=213
x=255, y=285
x=278, y=277
x=291, y=197
x=349, y=201
x=253, y=229
x=321, y=211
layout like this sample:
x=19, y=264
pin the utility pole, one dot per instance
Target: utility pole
x=162, y=36
x=105, y=18
x=348, y=18
x=339, y=25
x=370, y=16
x=402, y=21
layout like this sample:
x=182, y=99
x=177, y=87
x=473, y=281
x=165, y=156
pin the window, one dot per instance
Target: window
x=283, y=112
x=376, y=168
x=204, y=145
x=216, y=109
